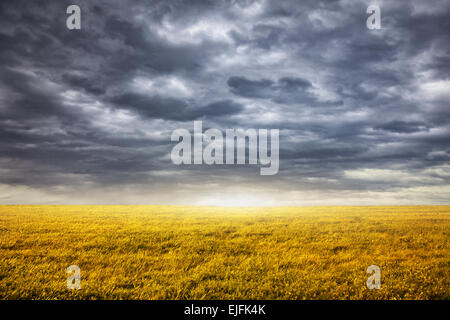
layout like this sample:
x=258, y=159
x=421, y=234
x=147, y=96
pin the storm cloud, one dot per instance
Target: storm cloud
x=86, y=115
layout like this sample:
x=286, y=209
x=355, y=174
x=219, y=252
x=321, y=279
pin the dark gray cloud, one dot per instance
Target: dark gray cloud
x=86, y=115
x=264, y=88
x=402, y=126
x=174, y=109
x=250, y=88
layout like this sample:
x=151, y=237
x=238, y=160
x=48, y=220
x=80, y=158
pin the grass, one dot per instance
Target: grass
x=173, y=252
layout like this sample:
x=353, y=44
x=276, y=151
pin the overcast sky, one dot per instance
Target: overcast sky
x=86, y=115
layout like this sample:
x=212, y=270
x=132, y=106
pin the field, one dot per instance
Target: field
x=173, y=252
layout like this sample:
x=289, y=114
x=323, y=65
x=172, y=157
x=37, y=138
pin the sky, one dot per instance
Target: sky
x=86, y=115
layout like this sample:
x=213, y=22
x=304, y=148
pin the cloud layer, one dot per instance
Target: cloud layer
x=86, y=115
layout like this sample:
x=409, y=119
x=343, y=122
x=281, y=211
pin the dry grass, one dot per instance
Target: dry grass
x=170, y=252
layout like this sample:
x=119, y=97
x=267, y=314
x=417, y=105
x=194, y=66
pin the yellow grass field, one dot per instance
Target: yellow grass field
x=173, y=252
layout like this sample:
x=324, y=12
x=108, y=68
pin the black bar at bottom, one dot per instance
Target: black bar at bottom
x=221, y=309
